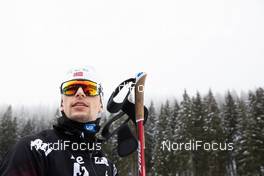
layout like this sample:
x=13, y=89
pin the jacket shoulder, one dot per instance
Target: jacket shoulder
x=26, y=155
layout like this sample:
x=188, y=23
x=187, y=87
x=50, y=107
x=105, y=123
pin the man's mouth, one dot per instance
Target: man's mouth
x=79, y=104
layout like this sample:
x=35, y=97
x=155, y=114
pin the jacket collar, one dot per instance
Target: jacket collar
x=77, y=131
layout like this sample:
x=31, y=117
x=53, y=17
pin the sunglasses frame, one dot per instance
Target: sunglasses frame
x=98, y=86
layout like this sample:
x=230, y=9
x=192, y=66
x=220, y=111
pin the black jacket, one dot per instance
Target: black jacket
x=66, y=150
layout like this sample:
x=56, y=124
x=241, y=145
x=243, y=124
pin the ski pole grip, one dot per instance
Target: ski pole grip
x=139, y=96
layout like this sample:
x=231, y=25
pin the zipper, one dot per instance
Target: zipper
x=91, y=161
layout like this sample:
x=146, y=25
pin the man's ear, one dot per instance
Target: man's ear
x=61, y=105
x=101, y=105
x=101, y=108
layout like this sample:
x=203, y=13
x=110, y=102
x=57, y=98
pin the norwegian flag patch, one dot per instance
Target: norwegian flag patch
x=77, y=74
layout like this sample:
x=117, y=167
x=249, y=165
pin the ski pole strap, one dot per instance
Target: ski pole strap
x=126, y=141
x=126, y=106
x=106, y=128
x=113, y=106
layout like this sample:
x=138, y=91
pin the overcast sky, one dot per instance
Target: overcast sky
x=189, y=44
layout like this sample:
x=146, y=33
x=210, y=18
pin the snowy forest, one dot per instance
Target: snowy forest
x=230, y=119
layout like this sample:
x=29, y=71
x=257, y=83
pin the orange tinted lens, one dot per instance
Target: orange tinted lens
x=71, y=87
x=70, y=90
x=90, y=90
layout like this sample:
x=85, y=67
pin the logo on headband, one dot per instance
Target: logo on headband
x=77, y=74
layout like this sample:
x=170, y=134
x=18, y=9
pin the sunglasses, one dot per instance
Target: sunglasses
x=70, y=88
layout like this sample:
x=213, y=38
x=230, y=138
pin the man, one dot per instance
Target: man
x=71, y=147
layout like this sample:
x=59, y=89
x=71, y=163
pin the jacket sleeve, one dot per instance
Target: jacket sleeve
x=115, y=172
x=22, y=160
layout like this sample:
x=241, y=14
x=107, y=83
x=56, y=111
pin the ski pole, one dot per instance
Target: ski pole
x=139, y=109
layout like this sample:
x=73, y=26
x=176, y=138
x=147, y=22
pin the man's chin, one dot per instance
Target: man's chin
x=80, y=117
x=83, y=117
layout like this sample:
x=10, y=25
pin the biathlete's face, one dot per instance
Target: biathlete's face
x=80, y=101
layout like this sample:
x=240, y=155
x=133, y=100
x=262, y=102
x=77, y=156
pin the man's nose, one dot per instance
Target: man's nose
x=80, y=92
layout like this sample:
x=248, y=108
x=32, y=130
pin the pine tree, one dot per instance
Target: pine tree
x=170, y=124
x=214, y=134
x=8, y=131
x=28, y=128
x=161, y=156
x=244, y=139
x=150, y=128
x=230, y=122
x=183, y=135
x=259, y=130
x=197, y=130
x=185, y=114
x=253, y=148
x=174, y=128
